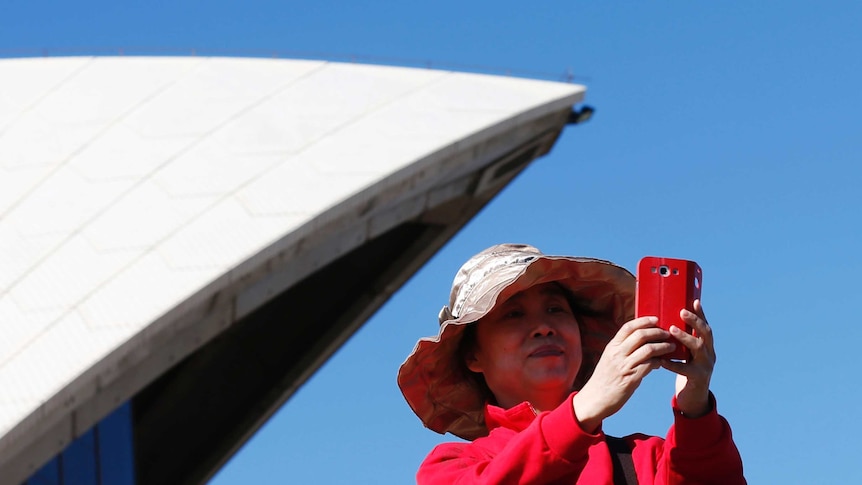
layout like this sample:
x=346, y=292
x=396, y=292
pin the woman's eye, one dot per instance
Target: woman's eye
x=556, y=309
x=513, y=314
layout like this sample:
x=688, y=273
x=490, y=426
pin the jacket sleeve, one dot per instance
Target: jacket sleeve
x=700, y=451
x=553, y=445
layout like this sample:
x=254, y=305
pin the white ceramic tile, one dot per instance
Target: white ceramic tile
x=33, y=141
x=17, y=184
x=141, y=218
x=109, y=87
x=68, y=275
x=51, y=360
x=18, y=328
x=23, y=82
x=296, y=187
x=62, y=203
x=122, y=153
x=363, y=148
x=214, y=93
x=466, y=91
x=221, y=238
x=141, y=293
x=317, y=105
x=208, y=169
x=20, y=255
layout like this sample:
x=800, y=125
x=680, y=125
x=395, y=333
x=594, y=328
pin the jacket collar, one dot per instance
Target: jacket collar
x=516, y=418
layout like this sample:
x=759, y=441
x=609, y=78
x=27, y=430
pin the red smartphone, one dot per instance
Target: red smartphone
x=664, y=287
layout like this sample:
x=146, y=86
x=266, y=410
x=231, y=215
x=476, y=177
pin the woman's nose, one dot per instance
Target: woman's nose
x=543, y=329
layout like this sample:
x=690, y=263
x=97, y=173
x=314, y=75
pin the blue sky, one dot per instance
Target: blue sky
x=725, y=132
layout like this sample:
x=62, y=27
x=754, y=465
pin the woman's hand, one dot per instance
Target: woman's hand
x=634, y=352
x=692, y=382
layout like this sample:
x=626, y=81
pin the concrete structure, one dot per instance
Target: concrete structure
x=196, y=236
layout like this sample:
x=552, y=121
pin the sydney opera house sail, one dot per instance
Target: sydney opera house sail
x=158, y=215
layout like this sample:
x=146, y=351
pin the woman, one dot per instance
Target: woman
x=533, y=353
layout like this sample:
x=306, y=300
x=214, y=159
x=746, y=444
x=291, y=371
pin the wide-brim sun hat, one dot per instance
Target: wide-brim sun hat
x=433, y=380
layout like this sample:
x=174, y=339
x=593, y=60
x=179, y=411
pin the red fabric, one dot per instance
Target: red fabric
x=551, y=448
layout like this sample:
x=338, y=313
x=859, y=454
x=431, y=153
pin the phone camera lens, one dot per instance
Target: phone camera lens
x=664, y=271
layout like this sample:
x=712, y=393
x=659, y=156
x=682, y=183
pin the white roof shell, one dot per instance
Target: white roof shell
x=134, y=192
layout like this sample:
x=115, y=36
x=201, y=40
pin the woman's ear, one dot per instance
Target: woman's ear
x=472, y=362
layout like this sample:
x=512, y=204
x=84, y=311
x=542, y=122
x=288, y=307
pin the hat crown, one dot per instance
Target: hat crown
x=479, y=269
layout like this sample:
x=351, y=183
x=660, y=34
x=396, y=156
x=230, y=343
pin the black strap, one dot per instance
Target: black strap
x=621, y=457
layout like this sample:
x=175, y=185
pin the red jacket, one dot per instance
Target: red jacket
x=551, y=448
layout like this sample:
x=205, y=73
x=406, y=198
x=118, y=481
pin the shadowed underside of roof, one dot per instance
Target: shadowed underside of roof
x=200, y=234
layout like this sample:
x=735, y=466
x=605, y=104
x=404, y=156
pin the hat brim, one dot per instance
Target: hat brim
x=434, y=382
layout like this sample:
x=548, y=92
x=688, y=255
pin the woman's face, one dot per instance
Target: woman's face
x=528, y=346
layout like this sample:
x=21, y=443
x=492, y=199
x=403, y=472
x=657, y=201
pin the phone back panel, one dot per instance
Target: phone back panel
x=664, y=287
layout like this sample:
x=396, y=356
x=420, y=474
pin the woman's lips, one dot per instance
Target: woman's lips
x=547, y=351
